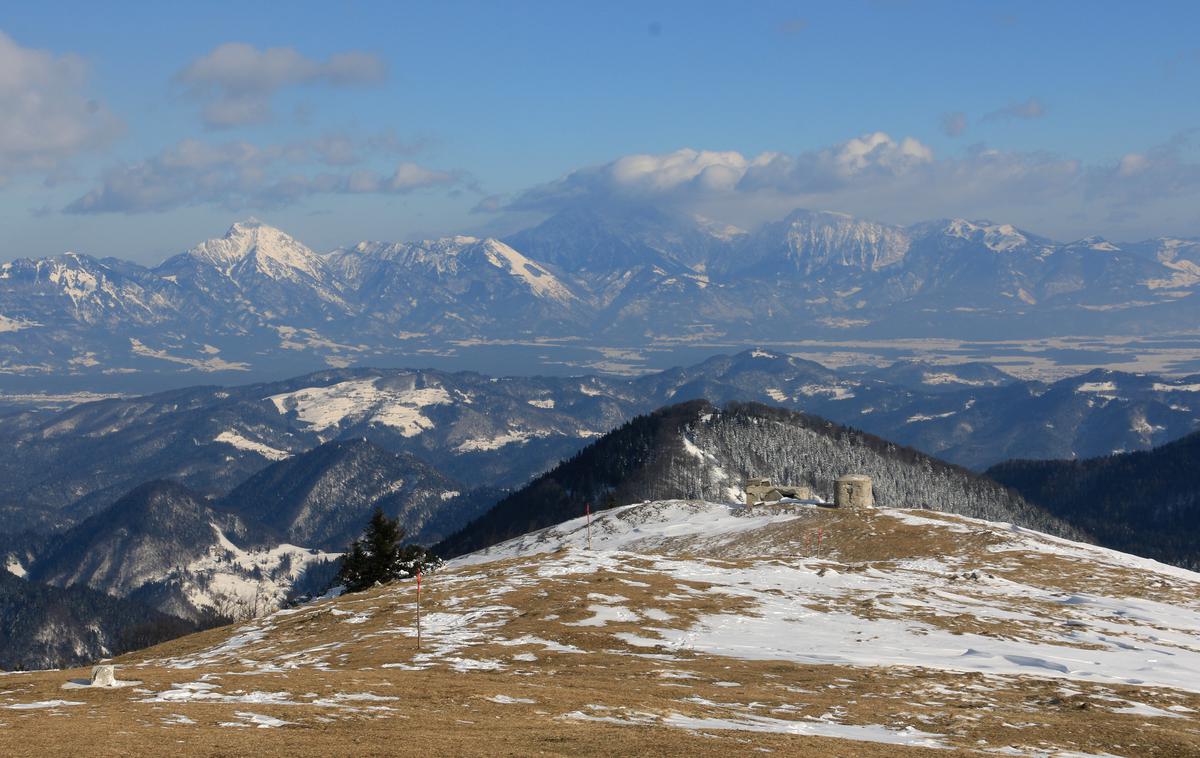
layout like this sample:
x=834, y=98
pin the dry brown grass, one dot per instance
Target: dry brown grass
x=556, y=695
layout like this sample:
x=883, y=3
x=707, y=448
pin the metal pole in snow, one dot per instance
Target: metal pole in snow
x=587, y=507
x=418, y=607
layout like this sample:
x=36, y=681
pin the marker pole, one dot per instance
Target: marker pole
x=418, y=607
x=587, y=507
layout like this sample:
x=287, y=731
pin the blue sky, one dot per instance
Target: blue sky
x=140, y=128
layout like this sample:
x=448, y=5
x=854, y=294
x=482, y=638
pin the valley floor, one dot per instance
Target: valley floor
x=686, y=629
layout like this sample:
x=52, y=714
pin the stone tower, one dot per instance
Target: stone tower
x=854, y=491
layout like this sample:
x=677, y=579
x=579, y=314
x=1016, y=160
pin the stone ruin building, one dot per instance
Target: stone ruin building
x=763, y=491
x=851, y=491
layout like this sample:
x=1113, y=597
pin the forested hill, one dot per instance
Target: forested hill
x=43, y=626
x=1147, y=503
x=695, y=450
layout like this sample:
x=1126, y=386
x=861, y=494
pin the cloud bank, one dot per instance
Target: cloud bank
x=892, y=179
x=239, y=175
x=236, y=82
x=46, y=117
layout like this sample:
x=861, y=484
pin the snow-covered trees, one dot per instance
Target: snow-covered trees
x=757, y=440
x=695, y=450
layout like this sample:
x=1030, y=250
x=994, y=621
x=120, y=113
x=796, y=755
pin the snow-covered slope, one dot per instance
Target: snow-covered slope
x=1026, y=620
x=172, y=550
x=690, y=627
x=267, y=249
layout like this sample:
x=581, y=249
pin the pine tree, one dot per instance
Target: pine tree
x=379, y=557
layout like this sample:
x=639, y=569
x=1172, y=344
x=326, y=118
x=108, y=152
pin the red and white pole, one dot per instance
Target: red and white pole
x=418, y=607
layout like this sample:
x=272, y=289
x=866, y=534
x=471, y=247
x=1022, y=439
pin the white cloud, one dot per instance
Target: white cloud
x=239, y=175
x=236, y=82
x=687, y=175
x=45, y=115
x=657, y=173
x=1170, y=170
x=1145, y=193
x=871, y=157
x=1031, y=108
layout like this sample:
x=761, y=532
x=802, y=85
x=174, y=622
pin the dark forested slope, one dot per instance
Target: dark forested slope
x=43, y=627
x=1147, y=503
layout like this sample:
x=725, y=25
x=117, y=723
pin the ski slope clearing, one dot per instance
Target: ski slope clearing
x=691, y=627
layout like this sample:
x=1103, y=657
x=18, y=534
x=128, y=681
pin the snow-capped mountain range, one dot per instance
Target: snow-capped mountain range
x=257, y=298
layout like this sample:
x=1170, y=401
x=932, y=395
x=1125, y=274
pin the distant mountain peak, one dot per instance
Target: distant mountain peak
x=759, y=352
x=273, y=251
x=808, y=240
x=1095, y=242
x=999, y=238
x=719, y=229
x=802, y=214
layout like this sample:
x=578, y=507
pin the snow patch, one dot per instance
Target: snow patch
x=15, y=325
x=41, y=704
x=1097, y=387
x=361, y=400
x=1160, y=387
x=506, y=700
x=137, y=347
x=511, y=437
x=258, y=720
x=921, y=417
x=813, y=728
x=14, y=567
x=235, y=439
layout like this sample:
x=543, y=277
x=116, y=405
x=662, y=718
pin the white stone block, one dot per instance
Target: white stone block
x=104, y=675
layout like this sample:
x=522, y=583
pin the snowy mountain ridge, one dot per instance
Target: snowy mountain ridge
x=635, y=277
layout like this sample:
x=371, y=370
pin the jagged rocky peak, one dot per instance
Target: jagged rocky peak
x=461, y=255
x=999, y=238
x=1094, y=242
x=818, y=238
x=267, y=245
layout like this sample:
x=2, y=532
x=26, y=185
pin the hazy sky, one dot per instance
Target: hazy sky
x=138, y=129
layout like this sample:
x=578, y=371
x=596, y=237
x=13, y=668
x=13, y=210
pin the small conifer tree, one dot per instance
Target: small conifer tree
x=379, y=556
